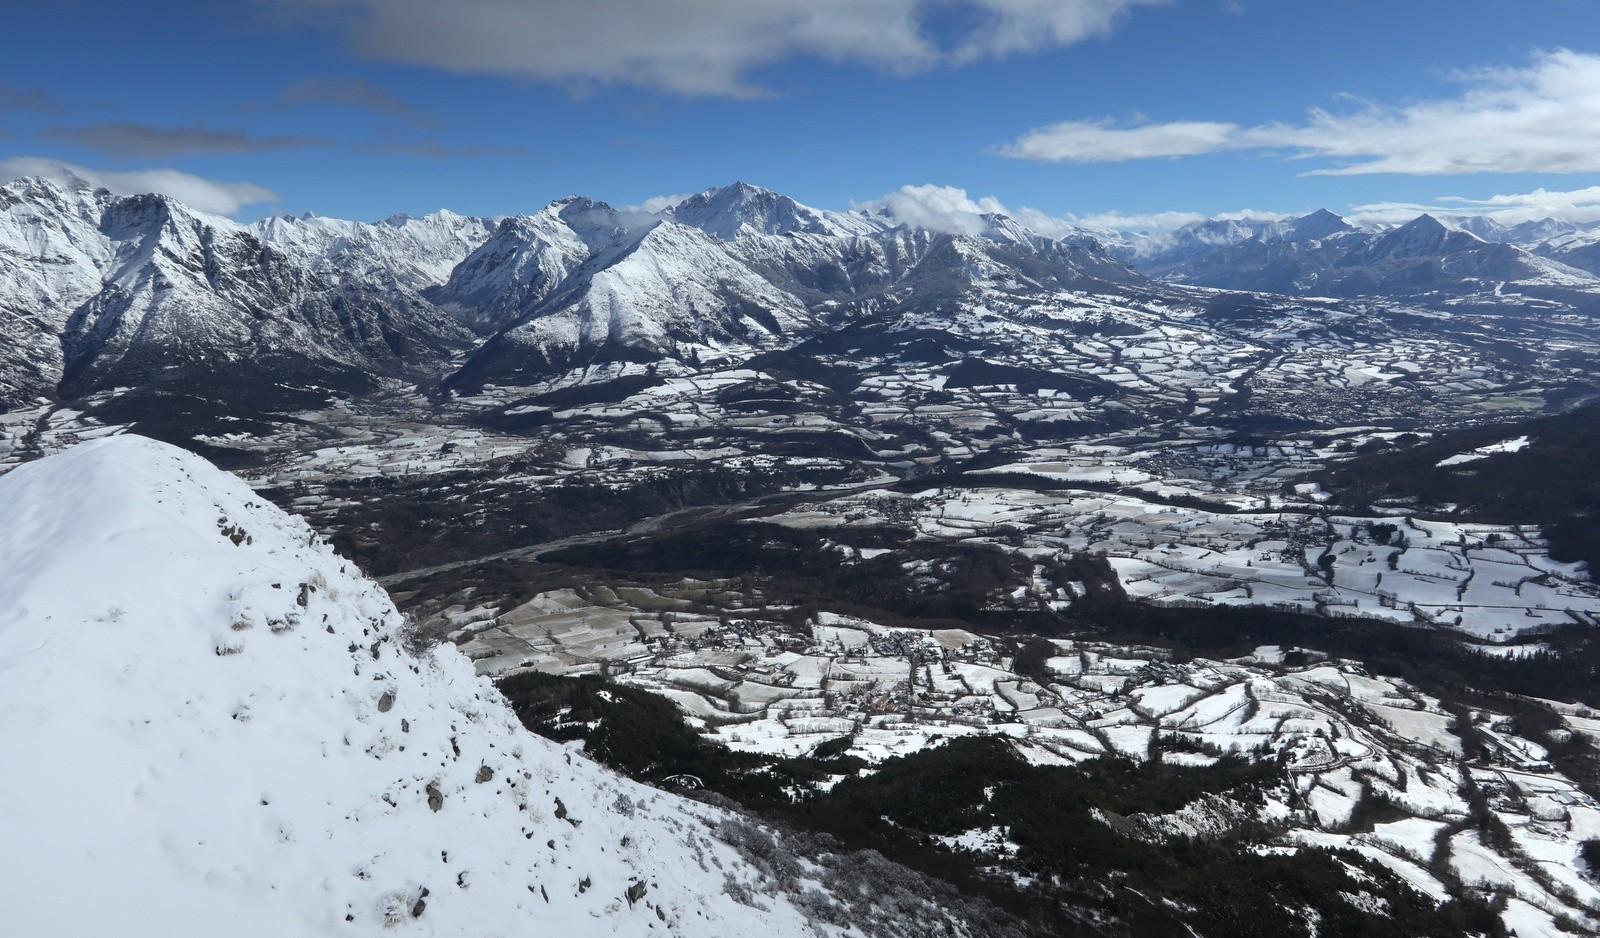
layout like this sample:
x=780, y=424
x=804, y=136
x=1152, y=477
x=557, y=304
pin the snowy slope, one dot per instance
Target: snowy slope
x=1572, y=244
x=1580, y=249
x=1428, y=253
x=199, y=294
x=1195, y=239
x=1528, y=234
x=674, y=283
x=834, y=258
x=823, y=259
x=213, y=726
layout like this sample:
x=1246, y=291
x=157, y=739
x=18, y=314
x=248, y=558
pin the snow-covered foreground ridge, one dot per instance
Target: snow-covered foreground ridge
x=212, y=726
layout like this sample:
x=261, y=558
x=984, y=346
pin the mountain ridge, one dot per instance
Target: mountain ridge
x=1322, y=254
x=105, y=291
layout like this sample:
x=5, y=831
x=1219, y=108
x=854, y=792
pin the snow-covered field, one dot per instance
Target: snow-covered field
x=1491, y=582
x=1343, y=736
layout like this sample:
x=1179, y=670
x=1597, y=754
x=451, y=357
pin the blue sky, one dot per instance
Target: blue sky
x=360, y=108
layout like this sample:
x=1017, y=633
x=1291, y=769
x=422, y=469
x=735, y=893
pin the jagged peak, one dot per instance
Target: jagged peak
x=741, y=189
x=74, y=194
x=441, y=216
x=556, y=206
x=1319, y=224
x=68, y=182
x=1543, y=228
x=1424, y=222
x=576, y=211
x=1429, y=228
x=154, y=210
x=573, y=205
x=1481, y=225
x=1002, y=227
x=1223, y=231
x=738, y=192
x=728, y=212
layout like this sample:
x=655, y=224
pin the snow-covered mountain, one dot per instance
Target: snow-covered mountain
x=1528, y=234
x=51, y=256
x=1273, y=255
x=1322, y=254
x=1579, y=248
x=101, y=290
x=740, y=211
x=1426, y=253
x=415, y=253
x=214, y=725
x=1571, y=243
x=521, y=262
x=726, y=273
x=644, y=292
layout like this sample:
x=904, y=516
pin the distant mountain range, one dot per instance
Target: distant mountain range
x=1322, y=254
x=99, y=291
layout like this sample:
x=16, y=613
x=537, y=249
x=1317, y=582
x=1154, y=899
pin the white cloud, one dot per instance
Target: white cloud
x=1100, y=142
x=658, y=203
x=1544, y=118
x=704, y=47
x=951, y=209
x=197, y=192
x=1383, y=214
x=1577, y=205
x=1051, y=226
x=1153, y=221
x=937, y=208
